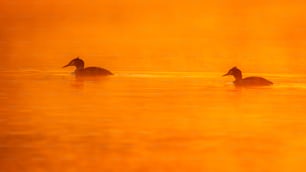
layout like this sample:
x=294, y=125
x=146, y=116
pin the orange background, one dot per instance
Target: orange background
x=259, y=36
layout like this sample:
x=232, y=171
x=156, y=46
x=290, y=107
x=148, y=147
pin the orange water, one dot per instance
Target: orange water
x=140, y=121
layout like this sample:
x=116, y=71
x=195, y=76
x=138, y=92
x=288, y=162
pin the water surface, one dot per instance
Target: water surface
x=142, y=121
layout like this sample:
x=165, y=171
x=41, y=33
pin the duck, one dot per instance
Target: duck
x=248, y=81
x=88, y=71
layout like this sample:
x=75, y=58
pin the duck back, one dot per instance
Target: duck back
x=93, y=71
x=253, y=81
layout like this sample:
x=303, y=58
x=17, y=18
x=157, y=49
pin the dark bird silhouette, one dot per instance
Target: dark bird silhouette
x=248, y=81
x=88, y=71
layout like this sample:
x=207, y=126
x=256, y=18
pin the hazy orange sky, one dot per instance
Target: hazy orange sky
x=259, y=36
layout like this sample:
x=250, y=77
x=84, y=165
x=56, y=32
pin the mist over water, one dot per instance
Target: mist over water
x=155, y=35
x=167, y=108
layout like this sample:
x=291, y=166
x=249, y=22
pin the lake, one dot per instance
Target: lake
x=150, y=121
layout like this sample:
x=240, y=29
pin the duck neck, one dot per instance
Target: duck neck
x=238, y=76
x=79, y=67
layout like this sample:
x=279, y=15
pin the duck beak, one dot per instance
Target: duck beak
x=66, y=65
x=226, y=74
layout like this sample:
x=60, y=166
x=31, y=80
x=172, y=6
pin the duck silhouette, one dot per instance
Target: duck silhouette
x=248, y=81
x=88, y=71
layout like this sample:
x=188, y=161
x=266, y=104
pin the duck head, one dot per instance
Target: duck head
x=235, y=72
x=77, y=62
